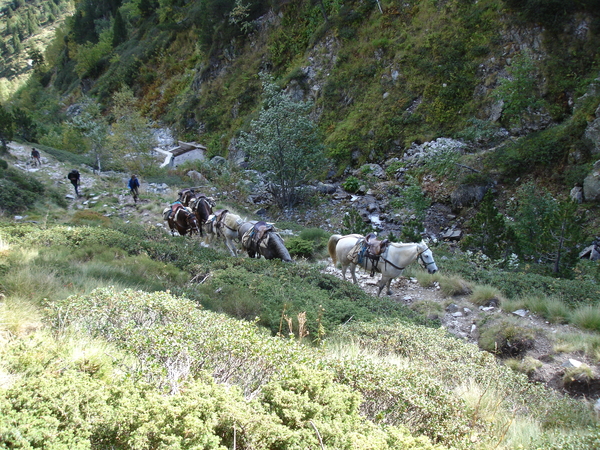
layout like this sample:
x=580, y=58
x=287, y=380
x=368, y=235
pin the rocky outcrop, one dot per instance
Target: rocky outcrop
x=591, y=185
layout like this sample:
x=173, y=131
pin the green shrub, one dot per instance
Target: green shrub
x=90, y=218
x=354, y=223
x=300, y=247
x=351, y=184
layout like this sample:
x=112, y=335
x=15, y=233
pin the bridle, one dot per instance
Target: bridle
x=422, y=260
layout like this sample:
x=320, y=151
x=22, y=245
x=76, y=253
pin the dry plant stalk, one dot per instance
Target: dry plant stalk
x=302, y=330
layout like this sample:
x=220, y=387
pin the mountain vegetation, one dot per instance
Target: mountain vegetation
x=114, y=334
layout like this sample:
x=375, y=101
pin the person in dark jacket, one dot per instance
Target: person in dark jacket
x=35, y=157
x=74, y=179
x=133, y=185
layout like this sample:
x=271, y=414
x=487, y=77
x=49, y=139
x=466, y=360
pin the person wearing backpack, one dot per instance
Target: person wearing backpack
x=35, y=157
x=74, y=179
x=133, y=186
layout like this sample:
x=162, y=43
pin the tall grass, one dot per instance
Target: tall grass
x=19, y=316
x=485, y=295
x=586, y=317
x=587, y=343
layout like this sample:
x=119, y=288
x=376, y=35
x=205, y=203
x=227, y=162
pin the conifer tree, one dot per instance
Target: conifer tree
x=119, y=29
x=7, y=127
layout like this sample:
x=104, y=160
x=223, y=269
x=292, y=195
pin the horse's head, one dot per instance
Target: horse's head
x=426, y=258
x=192, y=222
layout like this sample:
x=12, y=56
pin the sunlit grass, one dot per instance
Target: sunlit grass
x=587, y=343
x=19, y=316
x=485, y=295
x=454, y=285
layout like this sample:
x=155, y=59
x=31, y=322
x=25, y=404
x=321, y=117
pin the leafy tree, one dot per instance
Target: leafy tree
x=92, y=124
x=565, y=233
x=519, y=91
x=7, y=127
x=131, y=139
x=548, y=230
x=490, y=233
x=284, y=143
x=25, y=126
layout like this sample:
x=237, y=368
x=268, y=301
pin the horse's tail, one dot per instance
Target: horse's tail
x=331, y=244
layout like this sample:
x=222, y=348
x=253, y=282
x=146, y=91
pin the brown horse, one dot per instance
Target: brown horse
x=186, y=196
x=181, y=219
x=202, y=207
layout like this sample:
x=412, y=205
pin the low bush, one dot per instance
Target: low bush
x=90, y=218
x=300, y=247
x=516, y=284
x=505, y=338
x=18, y=192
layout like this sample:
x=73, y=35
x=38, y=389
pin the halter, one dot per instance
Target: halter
x=420, y=256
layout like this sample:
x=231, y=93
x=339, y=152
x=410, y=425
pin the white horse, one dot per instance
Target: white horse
x=391, y=263
x=225, y=227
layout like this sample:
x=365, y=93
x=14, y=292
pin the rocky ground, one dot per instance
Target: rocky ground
x=457, y=314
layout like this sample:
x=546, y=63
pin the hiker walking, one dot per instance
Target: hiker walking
x=133, y=186
x=35, y=157
x=74, y=179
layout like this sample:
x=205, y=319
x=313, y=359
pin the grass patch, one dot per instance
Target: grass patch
x=505, y=337
x=454, y=285
x=586, y=317
x=586, y=343
x=527, y=365
x=484, y=295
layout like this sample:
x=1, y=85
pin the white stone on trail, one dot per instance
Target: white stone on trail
x=572, y=364
x=520, y=312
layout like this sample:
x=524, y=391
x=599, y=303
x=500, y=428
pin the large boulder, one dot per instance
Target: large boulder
x=591, y=184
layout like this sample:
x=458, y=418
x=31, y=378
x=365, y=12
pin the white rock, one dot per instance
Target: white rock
x=572, y=363
x=520, y=312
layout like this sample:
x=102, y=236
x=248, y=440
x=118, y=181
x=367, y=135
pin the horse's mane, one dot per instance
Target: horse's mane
x=403, y=244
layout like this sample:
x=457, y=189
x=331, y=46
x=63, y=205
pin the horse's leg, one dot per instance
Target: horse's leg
x=230, y=246
x=383, y=283
x=353, y=272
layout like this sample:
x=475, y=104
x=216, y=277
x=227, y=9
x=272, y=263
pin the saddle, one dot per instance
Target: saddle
x=260, y=229
x=376, y=247
x=370, y=248
x=257, y=234
x=186, y=195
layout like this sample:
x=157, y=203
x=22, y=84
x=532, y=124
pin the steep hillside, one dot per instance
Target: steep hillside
x=382, y=75
x=26, y=29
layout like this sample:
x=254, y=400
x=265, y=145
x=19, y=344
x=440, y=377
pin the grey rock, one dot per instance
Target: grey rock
x=196, y=176
x=576, y=194
x=520, y=312
x=451, y=308
x=591, y=184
